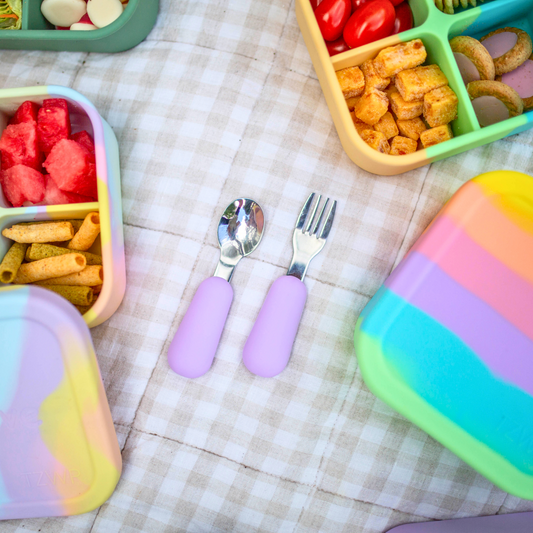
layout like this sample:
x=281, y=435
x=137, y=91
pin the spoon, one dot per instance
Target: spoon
x=193, y=348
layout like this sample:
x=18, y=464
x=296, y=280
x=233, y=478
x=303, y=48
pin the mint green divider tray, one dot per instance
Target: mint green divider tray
x=435, y=29
x=37, y=33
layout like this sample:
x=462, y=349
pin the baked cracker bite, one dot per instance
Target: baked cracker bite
x=372, y=106
x=440, y=106
x=351, y=81
x=496, y=42
x=414, y=83
x=387, y=126
x=436, y=135
x=405, y=110
x=472, y=58
x=394, y=59
x=376, y=140
x=493, y=101
x=402, y=146
x=411, y=128
x=372, y=78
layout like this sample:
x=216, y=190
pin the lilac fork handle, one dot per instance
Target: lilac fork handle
x=193, y=348
x=268, y=348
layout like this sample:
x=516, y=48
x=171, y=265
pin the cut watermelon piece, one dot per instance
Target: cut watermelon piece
x=56, y=102
x=53, y=195
x=27, y=112
x=53, y=124
x=84, y=139
x=19, y=146
x=22, y=184
x=73, y=168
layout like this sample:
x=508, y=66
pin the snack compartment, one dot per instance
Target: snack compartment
x=480, y=21
x=79, y=120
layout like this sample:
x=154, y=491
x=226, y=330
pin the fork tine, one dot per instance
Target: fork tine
x=321, y=216
x=313, y=214
x=329, y=222
x=304, y=212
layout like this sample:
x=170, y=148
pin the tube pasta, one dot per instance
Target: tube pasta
x=40, y=233
x=85, y=237
x=51, y=267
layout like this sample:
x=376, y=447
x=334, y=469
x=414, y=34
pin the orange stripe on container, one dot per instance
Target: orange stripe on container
x=492, y=229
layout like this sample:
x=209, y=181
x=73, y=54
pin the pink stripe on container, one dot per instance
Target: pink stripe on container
x=476, y=269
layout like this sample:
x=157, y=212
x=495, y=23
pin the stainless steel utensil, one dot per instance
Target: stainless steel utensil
x=193, y=348
x=268, y=348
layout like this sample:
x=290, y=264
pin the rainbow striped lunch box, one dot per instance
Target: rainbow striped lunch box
x=59, y=453
x=435, y=29
x=447, y=340
x=110, y=243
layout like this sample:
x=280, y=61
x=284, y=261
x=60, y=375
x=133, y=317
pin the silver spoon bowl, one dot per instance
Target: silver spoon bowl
x=239, y=233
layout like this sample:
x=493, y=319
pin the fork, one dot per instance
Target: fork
x=268, y=348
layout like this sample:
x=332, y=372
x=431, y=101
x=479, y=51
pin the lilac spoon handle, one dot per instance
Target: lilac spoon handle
x=193, y=348
x=268, y=348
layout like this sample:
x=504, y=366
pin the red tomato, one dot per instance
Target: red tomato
x=404, y=18
x=314, y=3
x=337, y=47
x=370, y=23
x=331, y=16
x=396, y=2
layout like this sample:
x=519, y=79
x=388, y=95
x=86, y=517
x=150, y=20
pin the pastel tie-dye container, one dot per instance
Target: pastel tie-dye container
x=447, y=340
x=110, y=243
x=59, y=453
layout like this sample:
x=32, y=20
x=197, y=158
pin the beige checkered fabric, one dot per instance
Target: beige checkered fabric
x=221, y=101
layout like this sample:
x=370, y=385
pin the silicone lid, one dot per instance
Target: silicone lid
x=448, y=338
x=59, y=453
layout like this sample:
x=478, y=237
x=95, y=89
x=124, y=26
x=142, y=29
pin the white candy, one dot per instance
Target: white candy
x=82, y=26
x=104, y=12
x=63, y=12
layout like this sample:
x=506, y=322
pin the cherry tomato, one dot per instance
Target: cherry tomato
x=315, y=3
x=332, y=16
x=337, y=47
x=404, y=18
x=396, y=2
x=371, y=22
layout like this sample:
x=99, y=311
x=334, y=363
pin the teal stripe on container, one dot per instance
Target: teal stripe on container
x=441, y=369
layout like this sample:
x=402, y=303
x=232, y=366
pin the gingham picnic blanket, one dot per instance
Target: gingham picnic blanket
x=222, y=101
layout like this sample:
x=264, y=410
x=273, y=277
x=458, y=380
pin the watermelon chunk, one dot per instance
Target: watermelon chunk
x=19, y=146
x=84, y=139
x=22, y=184
x=73, y=168
x=53, y=124
x=27, y=112
x=56, y=102
x=53, y=195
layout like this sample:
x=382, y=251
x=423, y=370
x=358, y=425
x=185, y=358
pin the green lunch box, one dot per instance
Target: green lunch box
x=37, y=33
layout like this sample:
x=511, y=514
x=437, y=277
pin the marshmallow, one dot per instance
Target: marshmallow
x=104, y=12
x=63, y=12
